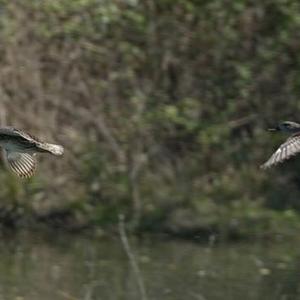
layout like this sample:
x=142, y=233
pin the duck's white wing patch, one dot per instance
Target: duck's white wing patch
x=290, y=148
x=23, y=164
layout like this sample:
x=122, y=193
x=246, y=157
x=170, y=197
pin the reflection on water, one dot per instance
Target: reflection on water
x=73, y=267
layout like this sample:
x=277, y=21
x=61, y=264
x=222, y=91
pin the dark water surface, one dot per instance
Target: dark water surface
x=35, y=267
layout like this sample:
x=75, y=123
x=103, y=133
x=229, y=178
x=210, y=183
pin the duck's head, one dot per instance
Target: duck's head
x=287, y=126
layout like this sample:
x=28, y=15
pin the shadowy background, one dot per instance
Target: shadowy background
x=162, y=107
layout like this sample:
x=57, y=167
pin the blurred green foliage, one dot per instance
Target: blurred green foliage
x=162, y=106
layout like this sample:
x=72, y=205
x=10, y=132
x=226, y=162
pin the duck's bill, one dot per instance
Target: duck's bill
x=273, y=129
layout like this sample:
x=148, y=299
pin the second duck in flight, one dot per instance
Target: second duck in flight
x=289, y=148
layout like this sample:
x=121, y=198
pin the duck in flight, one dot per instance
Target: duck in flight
x=289, y=148
x=20, y=150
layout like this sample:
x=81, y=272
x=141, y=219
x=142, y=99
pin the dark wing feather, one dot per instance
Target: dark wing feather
x=11, y=132
x=290, y=148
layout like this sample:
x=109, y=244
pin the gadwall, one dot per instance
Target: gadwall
x=289, y=148
x=20, y=150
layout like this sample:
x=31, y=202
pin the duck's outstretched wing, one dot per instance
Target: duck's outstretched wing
x=22, y=164
x=289, y=148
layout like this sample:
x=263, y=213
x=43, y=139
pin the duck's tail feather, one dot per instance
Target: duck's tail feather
x=52, y=148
